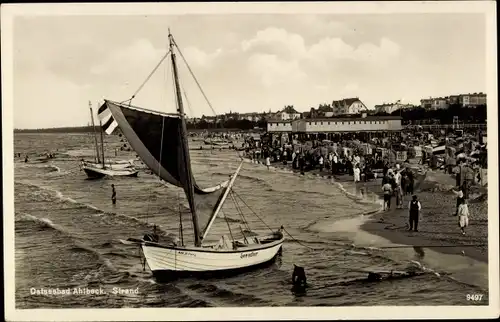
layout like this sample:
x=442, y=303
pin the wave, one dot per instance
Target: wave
x=228, y=295
x=52, y=168
x=367, y=198
x=57, y=194
x=43, y=223
x=242, y=176
x=75, y=246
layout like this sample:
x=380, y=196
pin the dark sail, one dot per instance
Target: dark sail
x=156, y=138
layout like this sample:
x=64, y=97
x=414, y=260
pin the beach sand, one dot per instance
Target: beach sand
x=437, y=226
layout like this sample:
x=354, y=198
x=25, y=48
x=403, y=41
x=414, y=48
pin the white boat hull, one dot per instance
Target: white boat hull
x=172, y=261
x=99, y=172
x=116, y=165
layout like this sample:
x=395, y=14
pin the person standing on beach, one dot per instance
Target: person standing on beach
x=268, y=162
x=387, y=189
x=404, y=181
x=463, y=215
x=415, y=208
x=411, y=182
x=113, y=194
x=357, y=173
x=397, y=188
x=460, y=199
x=335, y=163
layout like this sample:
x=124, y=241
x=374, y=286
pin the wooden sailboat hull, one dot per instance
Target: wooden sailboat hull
x=93, y=174
x=170, y=262
x=114, y=165
x=99, y=172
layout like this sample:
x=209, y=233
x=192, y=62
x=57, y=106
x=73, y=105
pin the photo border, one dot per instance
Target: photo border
x=10, y=11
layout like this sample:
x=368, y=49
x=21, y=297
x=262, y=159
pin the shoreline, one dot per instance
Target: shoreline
x=437, y=226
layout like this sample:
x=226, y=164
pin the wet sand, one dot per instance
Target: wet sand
x=437, y=225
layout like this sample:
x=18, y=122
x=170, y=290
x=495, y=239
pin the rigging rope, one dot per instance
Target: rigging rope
x=228, y=226
x=199, y=86
x=239, y=210
x=147, y=78
x=237, y=195
x=192, y=74
x=187, y=100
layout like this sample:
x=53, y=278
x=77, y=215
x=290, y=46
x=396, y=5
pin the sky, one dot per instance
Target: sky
x=244, y=62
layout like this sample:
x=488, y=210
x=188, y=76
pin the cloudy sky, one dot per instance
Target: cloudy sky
x=244, y=62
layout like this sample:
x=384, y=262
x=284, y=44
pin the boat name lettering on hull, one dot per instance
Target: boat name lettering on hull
x=180, y=252
x=247, y=255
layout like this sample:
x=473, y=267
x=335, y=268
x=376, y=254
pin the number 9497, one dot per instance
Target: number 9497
x=474, y=297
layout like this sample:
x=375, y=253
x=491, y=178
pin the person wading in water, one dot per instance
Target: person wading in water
x=415, y=208
x=113, y=195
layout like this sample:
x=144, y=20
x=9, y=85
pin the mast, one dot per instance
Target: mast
x=180, y=227
x=188, y=188
x=102, y=145
x=95, y=133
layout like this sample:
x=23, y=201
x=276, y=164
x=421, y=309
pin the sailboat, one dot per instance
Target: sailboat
x=101, y=167
x=161, y=141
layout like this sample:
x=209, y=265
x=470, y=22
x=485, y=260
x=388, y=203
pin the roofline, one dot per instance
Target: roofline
x=340, y=119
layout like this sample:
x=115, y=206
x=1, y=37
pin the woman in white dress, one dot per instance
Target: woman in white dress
x=463, y=216
x=357, y=173
x=268, y=162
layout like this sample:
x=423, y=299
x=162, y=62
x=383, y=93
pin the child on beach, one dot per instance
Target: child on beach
x=268, y=162
x=414, y=213
x=460, y=199
x=387, y=189
x=463, y=215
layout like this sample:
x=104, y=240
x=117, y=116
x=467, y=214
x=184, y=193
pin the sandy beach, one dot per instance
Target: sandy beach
x=437, y=226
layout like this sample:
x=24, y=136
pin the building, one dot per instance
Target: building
x=465, y=100
x=278, y=126
x=193, y=120
x=209, y=119
x=453, y=99
x=324, y=110
x=471, y=100
x=392, y=107
x=440, y=103
x=288, y=113
x=337, y=125
x=435, y=103
x=347, y=124
x=348, y=106
x=426, y=103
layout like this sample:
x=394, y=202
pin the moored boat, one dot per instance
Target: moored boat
x=161, y=141
x=101, y=167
